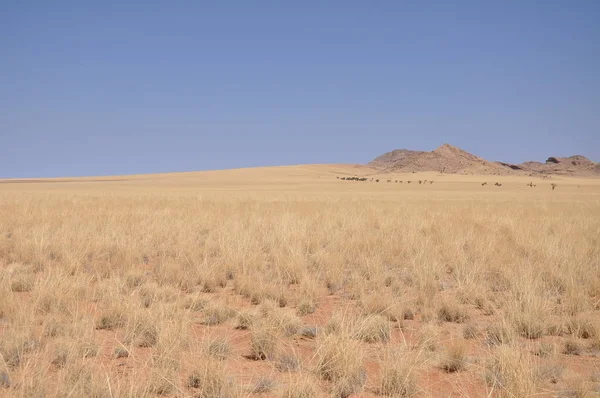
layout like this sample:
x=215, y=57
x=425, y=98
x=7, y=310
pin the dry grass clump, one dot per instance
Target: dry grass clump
x=470, y=331
x=373, y=329
x=217, y=347
x=398, y=374
x=16, y=345
x=244, y=320
x=79, y=379
x=583, y=327
x=454, y=359
x=300, y=389
x=22, y=282
x=340, y=360
x=209, y=379
x=112, y=317
x=143, y=331
x=510, y=373
x=287, y=362
x=286, y=322
x=572, y=347
x=195, y=303
x=529, y=311
x=386, y=305
x=428, y=337
x=264, y=342
x=215, y=314
x=499, y=333
x=264, y=385
x=544, y=350
x=551, y=372
x=450, y=311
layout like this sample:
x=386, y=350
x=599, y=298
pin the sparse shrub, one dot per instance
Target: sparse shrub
x=373, y=329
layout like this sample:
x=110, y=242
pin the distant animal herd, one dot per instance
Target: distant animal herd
x=377, y=180
x=364, y=179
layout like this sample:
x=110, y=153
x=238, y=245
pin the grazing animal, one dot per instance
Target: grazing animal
x=430, y=182
x=484, y=184
x=498, y=184
x=420, y=181
x=553, y=186
x=376, y=180
x=408, y=181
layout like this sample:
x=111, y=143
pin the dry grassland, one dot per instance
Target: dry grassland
x=287, y=282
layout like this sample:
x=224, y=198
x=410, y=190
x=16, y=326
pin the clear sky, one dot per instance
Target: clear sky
x=117, y=87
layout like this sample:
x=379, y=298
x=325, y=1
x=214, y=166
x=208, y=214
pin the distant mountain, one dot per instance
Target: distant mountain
x=450, y=159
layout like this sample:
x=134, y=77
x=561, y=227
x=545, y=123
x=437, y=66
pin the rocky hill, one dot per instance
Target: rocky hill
x=450, y=159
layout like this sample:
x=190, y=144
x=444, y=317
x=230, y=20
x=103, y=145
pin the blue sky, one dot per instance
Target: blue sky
x=99, y=88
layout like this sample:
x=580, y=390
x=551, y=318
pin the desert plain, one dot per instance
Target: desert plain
x=290, y=282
